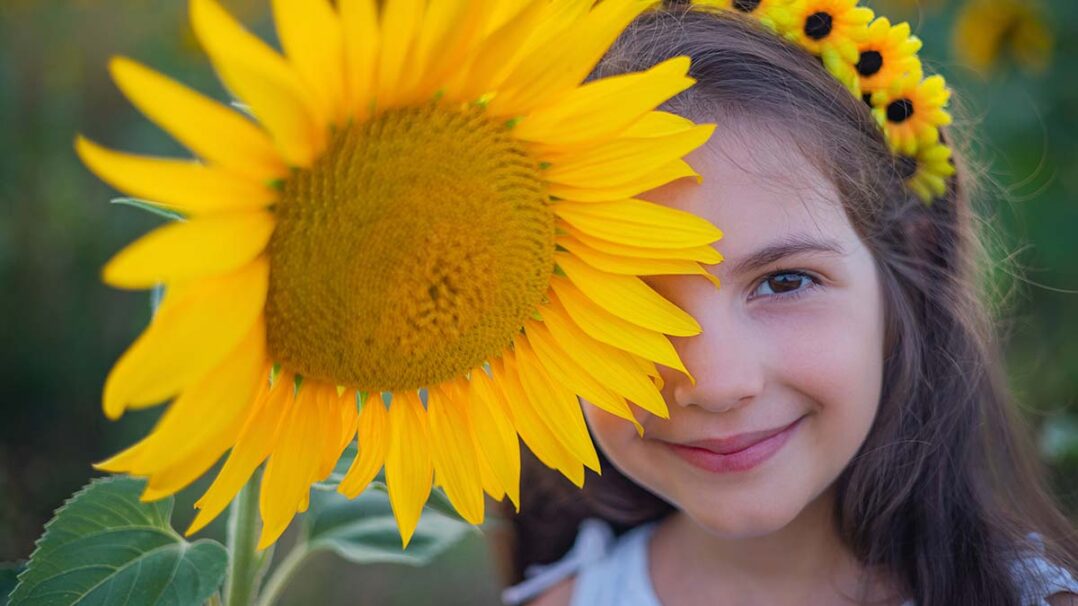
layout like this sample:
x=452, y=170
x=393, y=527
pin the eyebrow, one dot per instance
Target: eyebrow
x=789, y=245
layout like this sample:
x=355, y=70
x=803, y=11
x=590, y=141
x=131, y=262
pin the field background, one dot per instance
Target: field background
x=1010, y=63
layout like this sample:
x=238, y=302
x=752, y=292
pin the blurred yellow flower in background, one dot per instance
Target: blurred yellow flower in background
x=987, y=32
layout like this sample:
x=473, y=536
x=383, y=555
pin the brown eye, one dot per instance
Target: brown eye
x=785, y=283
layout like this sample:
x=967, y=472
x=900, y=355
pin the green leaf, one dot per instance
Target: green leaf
x=9, y=573
x=363, y=530
x=150, y=207
x=104, y=546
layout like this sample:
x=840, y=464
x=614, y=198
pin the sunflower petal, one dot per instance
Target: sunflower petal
x=703, y=253
x=563, y=62
x=408, y=464
x=639, y=223
x=494, y=431
x=453, y=454
x=373, y=438
x=628, y=297
x=634, y=184
x=607, y=165
x=206, y=417
x=181, y=185
x=264, y=80
x=610, y=366
x=257, y=440
x=638, y=266
x=199, y=248
x=555, y=362
x=604, y=326
x=191, y=332
x=556, y=405
x=209, y=129
x=539, y=439
x=400, y=25
x=359, y=19
x=311, y=36
x=290, y=468
x=598, y=110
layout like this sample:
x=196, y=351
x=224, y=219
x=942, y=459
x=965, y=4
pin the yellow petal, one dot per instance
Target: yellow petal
x=359, y=19
x=400, y=24
x=199, y=248
x=373, y=443
x=341, y=420
x=311, y=36
x=291, y=467
x=190, y=334
x=628, y=297
x=453, y=454
x=557, y=406
x=612, y=367
x=703, y=254
x=562, y=63
x=529, y=424
x=658, y=123
x=604, y=326
x=633, y=266
x=501, y=50
x=599, y=110
x=634, y=184
x=608, y=164
x=408, y=465
x=257, y=440
x=561, y=369
x=639, y=223
x=181, y=185
x=494, y=431
x=260, y=77
x=211, y=130
x=206, y=416
x=448, y=39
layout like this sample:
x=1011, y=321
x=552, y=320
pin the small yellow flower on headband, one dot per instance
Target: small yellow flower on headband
x=926, y=173
x=775, y=14
x=888, y=52
x=829, y=26
x=911, y=111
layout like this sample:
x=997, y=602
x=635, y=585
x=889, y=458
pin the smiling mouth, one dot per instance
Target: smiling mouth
x=736, y=453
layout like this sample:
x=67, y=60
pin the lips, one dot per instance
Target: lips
x=738, y=453
x=739, y=442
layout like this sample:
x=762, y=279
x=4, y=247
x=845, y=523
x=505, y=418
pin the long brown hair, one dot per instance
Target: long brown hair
x=947, y=482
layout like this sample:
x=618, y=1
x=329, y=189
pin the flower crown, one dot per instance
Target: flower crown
x=876, y=61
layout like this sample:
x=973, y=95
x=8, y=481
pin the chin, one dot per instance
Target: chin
x=733, y=521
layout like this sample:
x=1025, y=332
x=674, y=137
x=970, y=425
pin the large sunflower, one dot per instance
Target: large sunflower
x=426, y=237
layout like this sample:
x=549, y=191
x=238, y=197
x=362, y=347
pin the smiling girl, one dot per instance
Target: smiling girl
x=849, y=437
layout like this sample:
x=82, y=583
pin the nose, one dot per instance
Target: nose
x=728, y=365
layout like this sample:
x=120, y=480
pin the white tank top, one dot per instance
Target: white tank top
x=614, y=571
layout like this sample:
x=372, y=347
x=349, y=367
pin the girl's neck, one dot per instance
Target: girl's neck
x=805, y=559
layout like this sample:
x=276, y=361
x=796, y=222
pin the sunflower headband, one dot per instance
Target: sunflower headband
x=877, y=62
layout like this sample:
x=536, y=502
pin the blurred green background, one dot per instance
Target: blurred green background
x=1009, y=61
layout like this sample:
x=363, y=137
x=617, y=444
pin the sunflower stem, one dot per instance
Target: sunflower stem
x=283, y=573
x=243, y=528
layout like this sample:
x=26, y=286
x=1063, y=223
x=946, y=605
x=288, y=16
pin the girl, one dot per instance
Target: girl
x=849, y=437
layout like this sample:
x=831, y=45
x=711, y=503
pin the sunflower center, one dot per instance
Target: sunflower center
x=869, y=63
x=746, y=6
x=899, y=111
x=410, y=252
x=818, y=25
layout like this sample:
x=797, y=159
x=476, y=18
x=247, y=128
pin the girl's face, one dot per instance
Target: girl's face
x=793, y=338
